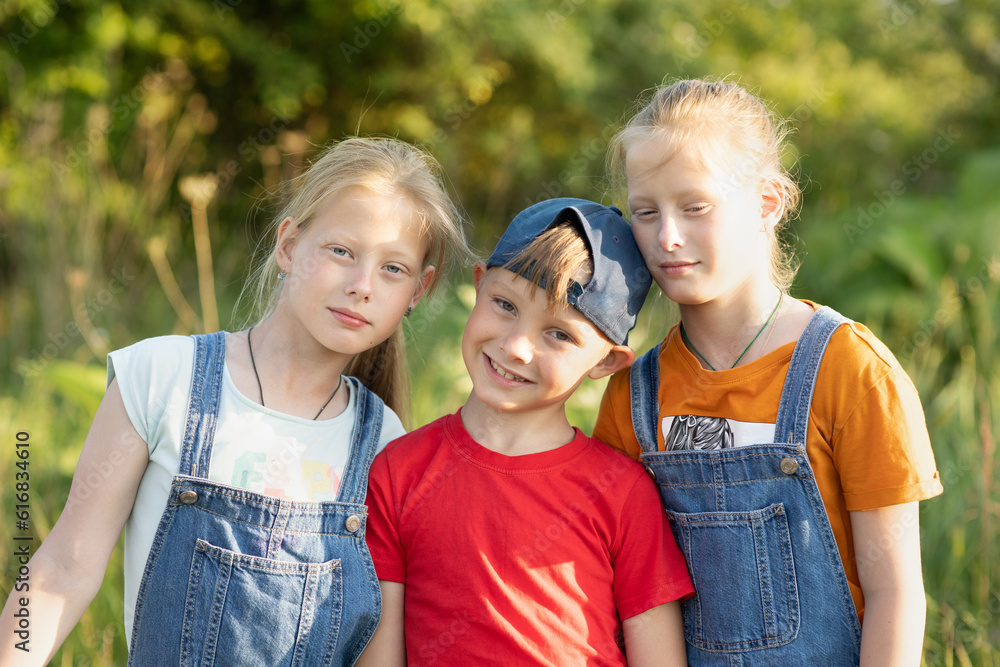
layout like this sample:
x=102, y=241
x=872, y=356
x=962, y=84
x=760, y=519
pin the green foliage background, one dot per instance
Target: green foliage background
x=107, y=107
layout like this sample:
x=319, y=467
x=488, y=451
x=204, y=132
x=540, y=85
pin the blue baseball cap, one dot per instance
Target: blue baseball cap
x=617, y=289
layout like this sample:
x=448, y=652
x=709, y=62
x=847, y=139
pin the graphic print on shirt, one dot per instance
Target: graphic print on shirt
x=283, y=475
x=682, y=432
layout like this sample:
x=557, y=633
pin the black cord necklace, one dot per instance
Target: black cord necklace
x=253, y=363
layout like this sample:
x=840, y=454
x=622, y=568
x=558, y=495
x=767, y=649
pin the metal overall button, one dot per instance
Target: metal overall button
x=651, y=473
x=189, y=497
x=352, y=523
x=789, y=466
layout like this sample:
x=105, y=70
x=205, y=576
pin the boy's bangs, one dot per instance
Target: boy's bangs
x=557, y=259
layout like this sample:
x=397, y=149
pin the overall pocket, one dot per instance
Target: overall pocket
x=745, y=591
x=247, y=610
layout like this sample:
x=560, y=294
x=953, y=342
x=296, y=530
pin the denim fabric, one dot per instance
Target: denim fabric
x=239, y=578
x=770, y=586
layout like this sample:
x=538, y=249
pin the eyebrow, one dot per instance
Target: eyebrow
x=683, y=194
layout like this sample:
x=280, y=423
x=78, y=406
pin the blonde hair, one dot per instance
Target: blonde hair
x=384, y=166
x=736, y=129
x=552, y=260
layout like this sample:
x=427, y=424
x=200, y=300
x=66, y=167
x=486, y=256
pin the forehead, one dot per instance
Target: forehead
x=695, y=162
x=371, y=206
x=358, y=211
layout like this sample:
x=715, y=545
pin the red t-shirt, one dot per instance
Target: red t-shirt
x=530, y=559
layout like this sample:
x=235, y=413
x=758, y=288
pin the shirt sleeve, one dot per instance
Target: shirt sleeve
x=883, y=451
x=154, y=378
x=879, y=439
x=649, y=566
x=382, y=533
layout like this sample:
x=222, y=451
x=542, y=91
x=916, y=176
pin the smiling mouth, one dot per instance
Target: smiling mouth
x=504, y=374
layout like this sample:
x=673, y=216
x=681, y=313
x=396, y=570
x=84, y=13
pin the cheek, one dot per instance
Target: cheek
x=472, y=328
x=309, y=265
x=645, y=238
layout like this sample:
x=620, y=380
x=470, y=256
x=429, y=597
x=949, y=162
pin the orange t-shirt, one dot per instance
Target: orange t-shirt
x=867, y=441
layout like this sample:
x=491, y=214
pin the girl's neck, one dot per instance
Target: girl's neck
x=723, y=329
x=296, y=374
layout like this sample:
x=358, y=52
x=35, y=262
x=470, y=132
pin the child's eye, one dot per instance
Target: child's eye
x=394, y=269
x=643, y=212
x=562, y=336
x=698, y=209
x=504, y=304
x=340, y=251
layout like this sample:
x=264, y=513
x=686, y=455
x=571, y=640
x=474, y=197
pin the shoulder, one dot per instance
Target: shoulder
x=162, y=350
x=154, y=378
x=613, y=473
x=614, y=420
x=413, y=459
x=855, y=352
x=152, y=362
x=601, y=454
x=860, y=381
x=418, y=444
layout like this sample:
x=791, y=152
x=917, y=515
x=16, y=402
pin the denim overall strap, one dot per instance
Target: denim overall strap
x=367, y=429
x=796, y=396
x=203, y=407
x=644, y=382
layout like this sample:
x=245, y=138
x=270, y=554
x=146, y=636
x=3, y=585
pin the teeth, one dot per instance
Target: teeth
x=505, y=374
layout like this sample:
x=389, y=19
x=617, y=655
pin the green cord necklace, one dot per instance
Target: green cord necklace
x=781, y=295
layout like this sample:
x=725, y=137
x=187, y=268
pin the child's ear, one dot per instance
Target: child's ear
x=772, y=204
x=287, y=235
x=426, y=276
x=478, y=273
x=620, y=356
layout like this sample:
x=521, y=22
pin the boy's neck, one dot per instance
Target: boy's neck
x=517, y=433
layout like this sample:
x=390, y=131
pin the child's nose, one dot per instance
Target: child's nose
x=360, y=283
x=517, y=346
x=669, y=236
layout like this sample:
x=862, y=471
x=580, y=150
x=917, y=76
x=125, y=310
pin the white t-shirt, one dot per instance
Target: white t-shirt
x=255, y=448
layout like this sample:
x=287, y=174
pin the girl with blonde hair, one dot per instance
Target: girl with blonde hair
x=237, y=463
x=799, y=520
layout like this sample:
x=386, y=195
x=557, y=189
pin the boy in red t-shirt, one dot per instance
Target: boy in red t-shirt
x=499, y=533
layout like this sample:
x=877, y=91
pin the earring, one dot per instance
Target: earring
x=281, y=274
x=408, y=311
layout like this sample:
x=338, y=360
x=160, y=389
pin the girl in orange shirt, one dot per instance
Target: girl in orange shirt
x=788, y=444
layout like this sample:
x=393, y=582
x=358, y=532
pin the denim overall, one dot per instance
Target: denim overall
x=770, y=586
x=239, y=578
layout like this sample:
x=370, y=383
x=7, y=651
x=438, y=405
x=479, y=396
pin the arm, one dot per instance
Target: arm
x=387, y=647
x=887, y=549
x=67, y=570
x=656, y=637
